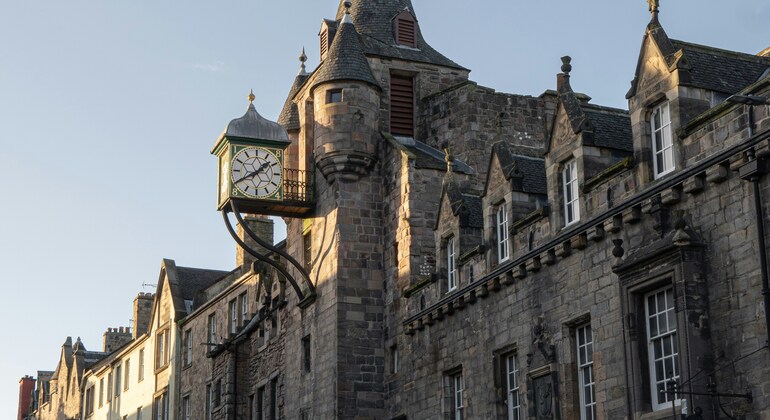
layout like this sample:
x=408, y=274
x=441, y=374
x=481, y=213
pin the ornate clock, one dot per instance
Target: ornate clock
x=257, y=172
x=252, y=175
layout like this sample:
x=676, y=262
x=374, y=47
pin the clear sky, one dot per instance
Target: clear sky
x=108, y=110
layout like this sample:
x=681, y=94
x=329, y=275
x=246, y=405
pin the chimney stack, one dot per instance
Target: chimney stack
x=263, y=228
x=142, y=313
x=26, y=393
x=115, y=338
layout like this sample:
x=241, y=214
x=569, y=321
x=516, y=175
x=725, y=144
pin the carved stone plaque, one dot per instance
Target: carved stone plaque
x=544, y=397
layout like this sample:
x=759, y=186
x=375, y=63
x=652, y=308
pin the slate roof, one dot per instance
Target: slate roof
x=289, y=117
x=531, y=170
x=374, y=21
x=193, y=280
x=345, y=59
x=474, y=210
x=253, y=126
x=721, y=70
x=612, y=127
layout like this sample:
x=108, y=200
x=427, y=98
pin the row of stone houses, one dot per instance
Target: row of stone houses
x=476, y=254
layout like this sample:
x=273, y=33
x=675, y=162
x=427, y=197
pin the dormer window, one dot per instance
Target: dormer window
x=662, y=143
x=405, y=29
x=326, y=36
x=570, y=184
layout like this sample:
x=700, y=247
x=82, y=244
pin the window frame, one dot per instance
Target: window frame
x=570, y=192
x=511, y=369
x=117, y=377
x=140, y=373
x=458, y=399
x=451, y=260
x=663, y=133
x=211, y=330
x=650, y=339
x=187, y=348
x=585, y=364
x=161, y=349
x=126, y=374
x=232, y=311
x=244, y=307
x=501, y=227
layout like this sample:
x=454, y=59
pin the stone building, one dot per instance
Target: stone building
x=485, y=255
x=477, y=254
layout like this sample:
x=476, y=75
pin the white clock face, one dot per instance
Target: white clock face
x=256, y=172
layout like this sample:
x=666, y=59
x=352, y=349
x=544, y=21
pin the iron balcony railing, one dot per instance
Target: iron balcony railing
x=298, y=186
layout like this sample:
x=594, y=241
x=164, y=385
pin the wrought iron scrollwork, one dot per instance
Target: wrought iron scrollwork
x=307, y=294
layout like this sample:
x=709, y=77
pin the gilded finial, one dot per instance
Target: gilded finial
x=448, y=158
x=251, y=97
x=654, y=8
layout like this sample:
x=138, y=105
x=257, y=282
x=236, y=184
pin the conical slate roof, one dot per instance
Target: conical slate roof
x=346, y=59
x=374, y=21
x=289, y=117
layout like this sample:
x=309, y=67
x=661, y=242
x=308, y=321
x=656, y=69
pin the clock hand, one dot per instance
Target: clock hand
x=253, y=173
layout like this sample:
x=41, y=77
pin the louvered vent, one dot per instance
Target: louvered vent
x=405, y=29
x=324, y=43
x=401, y=105
x=327, y=37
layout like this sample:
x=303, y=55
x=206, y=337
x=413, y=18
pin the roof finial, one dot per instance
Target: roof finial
x=346, y=18
x=302, y=59
x=566, y=67
x=654, y=8
x=448, y=157
x=251, y=97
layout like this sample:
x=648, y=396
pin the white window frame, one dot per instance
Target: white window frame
x=512, y=387
x=233, y=312
x=458, y=407
x=244, y=303
x=212, y=333
x=661, y=133
x=570, y=192
x=663, y=336
x=502, y=233
x=187, y=347
x=451, y=260
x=140, y=374
x=585, y=369
x=186, y=408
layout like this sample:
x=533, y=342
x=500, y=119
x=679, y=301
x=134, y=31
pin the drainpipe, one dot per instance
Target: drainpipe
x=752, y=171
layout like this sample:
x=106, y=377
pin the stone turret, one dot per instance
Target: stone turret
x=346, y=101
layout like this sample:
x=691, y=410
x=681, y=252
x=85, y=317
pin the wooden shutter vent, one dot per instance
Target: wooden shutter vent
x=401, y=105
x=405, y=28
x=326, y=37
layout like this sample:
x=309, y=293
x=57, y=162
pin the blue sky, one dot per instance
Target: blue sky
x=108, y=110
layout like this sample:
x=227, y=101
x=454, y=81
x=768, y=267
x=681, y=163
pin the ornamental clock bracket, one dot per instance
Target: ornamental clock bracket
x=253, y=179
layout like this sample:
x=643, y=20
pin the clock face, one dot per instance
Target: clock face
x=256, y=172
